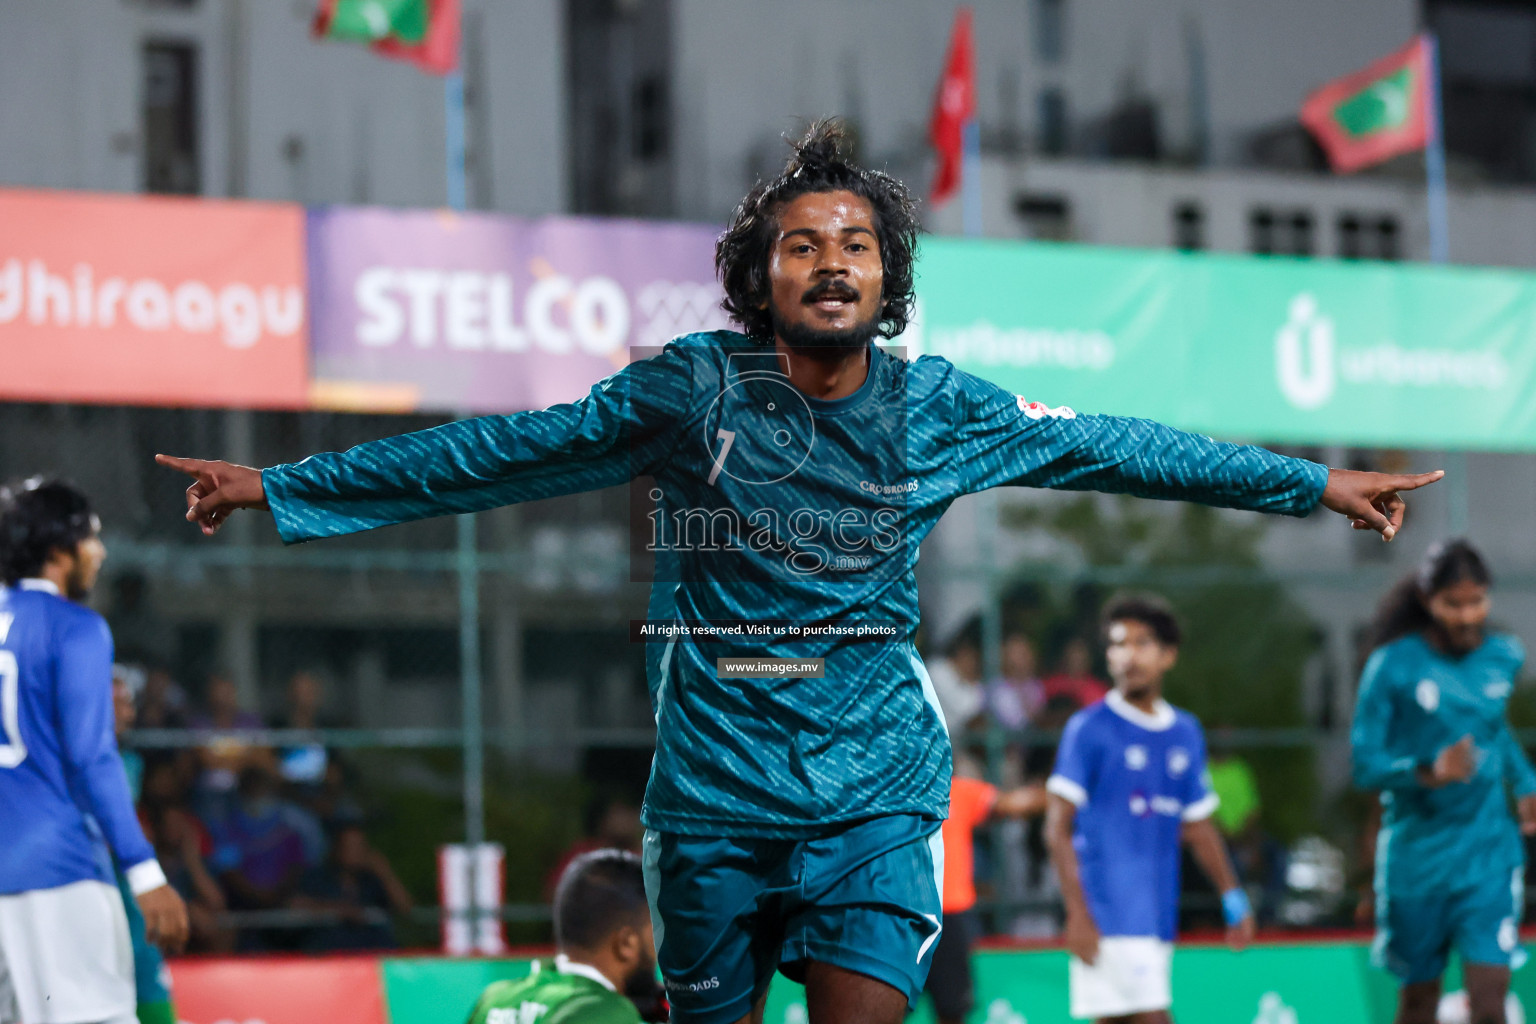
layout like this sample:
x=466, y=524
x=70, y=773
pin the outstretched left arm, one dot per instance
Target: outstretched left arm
x=1001, y=439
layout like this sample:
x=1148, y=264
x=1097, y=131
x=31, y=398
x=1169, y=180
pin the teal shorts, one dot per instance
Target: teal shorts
x=1480, y=920
x=728, y=912
x=151, y=977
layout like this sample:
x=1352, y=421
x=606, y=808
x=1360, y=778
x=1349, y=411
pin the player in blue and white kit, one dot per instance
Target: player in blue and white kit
x=1430, y=735
x=792, y=818
x=65, y=956
x=1128, y=790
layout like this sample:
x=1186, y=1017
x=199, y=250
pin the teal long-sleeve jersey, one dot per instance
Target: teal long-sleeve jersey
x=769, y=505
x=1413, y=702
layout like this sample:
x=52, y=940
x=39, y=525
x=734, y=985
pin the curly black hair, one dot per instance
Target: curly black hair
x=820, y=163
x=1150, y=610
x=37, y=517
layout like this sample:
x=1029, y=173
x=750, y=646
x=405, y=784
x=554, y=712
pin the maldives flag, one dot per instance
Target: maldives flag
x=1375, y=114
x=424, y=32
x=955, y=105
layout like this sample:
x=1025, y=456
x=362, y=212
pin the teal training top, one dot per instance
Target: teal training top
x=1414, y=701
x=770, y=505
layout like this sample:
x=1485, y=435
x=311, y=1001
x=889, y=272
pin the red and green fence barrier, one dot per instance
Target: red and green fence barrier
x=1290, y=982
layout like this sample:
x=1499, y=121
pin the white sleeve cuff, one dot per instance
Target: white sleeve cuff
x=1202, y=808
x=145, y=876
x=1068, y=790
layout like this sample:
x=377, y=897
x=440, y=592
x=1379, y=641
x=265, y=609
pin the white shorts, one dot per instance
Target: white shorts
x=1133, y=974
x=65, y=956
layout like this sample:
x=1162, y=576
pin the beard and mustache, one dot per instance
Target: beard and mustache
x=825, y=344
x=642, y=989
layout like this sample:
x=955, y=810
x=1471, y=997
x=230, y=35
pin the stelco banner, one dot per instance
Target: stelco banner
x=152, y=301
x=478, y=312
x=1279, y=350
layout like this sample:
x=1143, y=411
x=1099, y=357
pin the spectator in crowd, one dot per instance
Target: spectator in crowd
x=163, y=703
x=956, y=679
x=182, y=845
x=1074, y=679
x=358, y=886
x=1016, y=696
x=612, y=823
x=972, y=803
x=223, y=753
x=124, y=678
x=259, y=854
x=303, y=765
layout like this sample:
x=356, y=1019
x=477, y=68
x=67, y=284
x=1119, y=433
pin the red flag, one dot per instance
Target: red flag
x=438, y=53
x=955, y=105
x=424, y=32
x=1376, y=113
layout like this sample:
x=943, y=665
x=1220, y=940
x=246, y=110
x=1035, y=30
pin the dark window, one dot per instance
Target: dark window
x=618, y=106
x=1285, y=233
x=1053, y=121
x=1188, y=226
x=1261, y=231
x=172, y=161
x=1368, y=238
x=1050, y=29
x=1045, y=217
x=1301, y=234
x=650, y=119
x=1350, y=247
x=1388, y=239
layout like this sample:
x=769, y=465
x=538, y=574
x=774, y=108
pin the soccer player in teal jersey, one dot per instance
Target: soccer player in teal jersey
x=1431, y=736
x=793, y=819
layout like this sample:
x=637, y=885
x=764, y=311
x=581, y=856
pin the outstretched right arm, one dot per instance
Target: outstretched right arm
x=626, y=426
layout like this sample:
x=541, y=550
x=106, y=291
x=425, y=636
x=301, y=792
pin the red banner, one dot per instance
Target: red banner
x=273, y=990
x=152, y=300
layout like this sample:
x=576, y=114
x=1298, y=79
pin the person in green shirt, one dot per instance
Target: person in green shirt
x=605, y=969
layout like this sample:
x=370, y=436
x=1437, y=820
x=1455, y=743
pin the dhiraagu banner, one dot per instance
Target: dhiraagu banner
x=1271, y=349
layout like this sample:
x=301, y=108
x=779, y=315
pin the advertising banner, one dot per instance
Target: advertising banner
x=1266, y=349
x=151, y=301
x=435, y=310
x=281, y=990
x=1274, y=982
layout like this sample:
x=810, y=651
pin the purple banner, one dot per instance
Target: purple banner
x=416, y=309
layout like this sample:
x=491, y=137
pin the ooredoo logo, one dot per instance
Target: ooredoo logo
x=1304, y=354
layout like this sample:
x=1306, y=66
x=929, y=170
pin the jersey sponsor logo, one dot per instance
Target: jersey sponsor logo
x=1427, y=693
x=1178, y=761
x=1143, y=806
x=1135, y=757
x=1497, y=691
x=1040, y=411
x=906, y=487
x=707, y=985
x=525, y=1013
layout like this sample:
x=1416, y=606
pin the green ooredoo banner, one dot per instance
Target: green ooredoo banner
x=1272, y=983
x=1270, y=349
